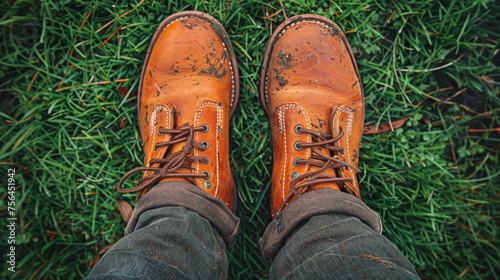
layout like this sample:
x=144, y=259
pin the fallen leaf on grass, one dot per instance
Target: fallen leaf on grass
x=123, y=91
x=384, y=127
x=125, y=209
x=122, y=123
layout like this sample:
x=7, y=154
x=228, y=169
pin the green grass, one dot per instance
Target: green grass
x=69, y=125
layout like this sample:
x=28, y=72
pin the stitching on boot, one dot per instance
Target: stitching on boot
x=153, y=122
x=233, y=78
x=282, y=130
x=219, y=124
x=350, y=115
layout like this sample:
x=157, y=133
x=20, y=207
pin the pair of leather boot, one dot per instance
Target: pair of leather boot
x=309, y=87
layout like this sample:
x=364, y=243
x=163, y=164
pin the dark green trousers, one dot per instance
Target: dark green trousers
x=182, y=233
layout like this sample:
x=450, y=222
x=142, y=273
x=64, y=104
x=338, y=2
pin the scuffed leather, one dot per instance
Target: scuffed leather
x=190, y=76
x=308, y=70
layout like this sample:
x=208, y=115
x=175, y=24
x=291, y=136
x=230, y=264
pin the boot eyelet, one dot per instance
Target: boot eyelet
x=205, y=145
x=298, y=128
x=296, y=161
x=156, y=147
x=205, y=128
x=298, y=146
x=159, y=132
x=208, y=185
x=295, y=175
x=207, y=175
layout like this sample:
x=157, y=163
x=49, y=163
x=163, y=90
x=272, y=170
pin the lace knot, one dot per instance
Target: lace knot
x=169, y=166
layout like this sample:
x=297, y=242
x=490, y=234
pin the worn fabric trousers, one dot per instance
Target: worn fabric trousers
x=182, y=233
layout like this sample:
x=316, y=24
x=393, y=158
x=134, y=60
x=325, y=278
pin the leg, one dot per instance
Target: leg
x=312, y=92
x=336, y=243
x=188, y=90
x=167, y=239
x=169, y=242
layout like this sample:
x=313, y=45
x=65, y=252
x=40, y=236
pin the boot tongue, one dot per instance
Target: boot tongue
x=342, y=122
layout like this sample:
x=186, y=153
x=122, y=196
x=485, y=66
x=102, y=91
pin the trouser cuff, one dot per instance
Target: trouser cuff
x=307, y=205
x=191, y=197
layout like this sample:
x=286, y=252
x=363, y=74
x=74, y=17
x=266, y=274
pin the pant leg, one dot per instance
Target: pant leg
x=174, y=233
x=169, y=243
x=327, y=234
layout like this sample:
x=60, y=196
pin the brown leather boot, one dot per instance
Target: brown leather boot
x=312, y=93
x=188, y=90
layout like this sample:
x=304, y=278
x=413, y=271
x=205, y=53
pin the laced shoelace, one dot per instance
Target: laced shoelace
x=169, y=166
x=318, y=159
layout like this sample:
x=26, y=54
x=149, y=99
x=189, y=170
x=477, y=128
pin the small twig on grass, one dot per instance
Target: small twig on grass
x=456, y=94
x=443, y=101
x=92, y=84
x=32, y=81
x=33, y=276
x=454, y=156
x=119, y=17
x=283, y=8
x=433, y=69
x=477, y=234
x=270, y=17
x=72, y=49
x=273, y=15
x=242, y=200
x=111, y=36
x=390, y=17
x=463, y=272
x=440, y=90
x=242, y=50
x=478, y=130
x=24, y=167
x=485, y=114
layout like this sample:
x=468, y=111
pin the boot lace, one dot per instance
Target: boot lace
x=319, y=159
x=168, y=167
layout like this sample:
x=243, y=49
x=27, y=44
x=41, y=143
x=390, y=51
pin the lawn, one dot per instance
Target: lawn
x=69, y=72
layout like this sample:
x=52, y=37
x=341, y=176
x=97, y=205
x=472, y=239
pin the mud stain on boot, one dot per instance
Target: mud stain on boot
x=215, y=68
x=188, y=24
x=285, y=60
x=280, y=78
